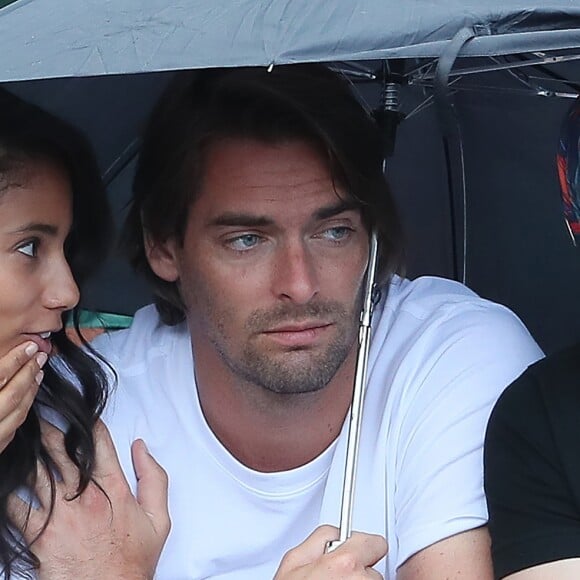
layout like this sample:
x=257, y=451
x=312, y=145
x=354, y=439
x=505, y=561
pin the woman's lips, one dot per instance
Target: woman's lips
x=42, y=340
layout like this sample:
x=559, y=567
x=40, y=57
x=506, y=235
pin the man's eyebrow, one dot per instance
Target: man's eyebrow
x=241, y=219
x=337, y=208
x=35, y=227
x=249, y=220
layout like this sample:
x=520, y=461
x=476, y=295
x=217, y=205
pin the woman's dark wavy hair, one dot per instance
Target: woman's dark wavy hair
x=306, y=102
x=28, y=135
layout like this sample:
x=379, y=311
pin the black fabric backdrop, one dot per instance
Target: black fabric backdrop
x=519, y=252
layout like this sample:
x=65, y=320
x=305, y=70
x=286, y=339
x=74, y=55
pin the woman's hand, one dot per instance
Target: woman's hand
x=352, y=560
x=20, y=377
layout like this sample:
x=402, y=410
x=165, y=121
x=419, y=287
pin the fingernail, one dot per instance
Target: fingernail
x=41, y=358
x=31, y=348
x=38, y=378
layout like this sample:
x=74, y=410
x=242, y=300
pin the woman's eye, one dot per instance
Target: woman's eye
x=29, y=248
x=245, y=242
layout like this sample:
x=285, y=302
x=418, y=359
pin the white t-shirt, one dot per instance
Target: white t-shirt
x=439, y=358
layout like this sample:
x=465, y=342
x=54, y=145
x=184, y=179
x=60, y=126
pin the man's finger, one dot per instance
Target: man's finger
x=18, y=510
x=53, y=440
x=373, y=546
x=42, y=487
x=106, y=459
x=310, y=549
x=27, y=508
x=152, y=486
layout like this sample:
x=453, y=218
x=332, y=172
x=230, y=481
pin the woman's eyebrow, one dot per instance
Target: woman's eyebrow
x=37, y=227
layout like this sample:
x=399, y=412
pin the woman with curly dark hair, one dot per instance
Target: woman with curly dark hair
x=55, y=228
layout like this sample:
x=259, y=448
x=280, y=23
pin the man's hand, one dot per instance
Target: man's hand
x=94, y=536
x=353, y=559
x=20, y=377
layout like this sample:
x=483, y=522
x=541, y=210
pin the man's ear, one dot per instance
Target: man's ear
x=162, y=257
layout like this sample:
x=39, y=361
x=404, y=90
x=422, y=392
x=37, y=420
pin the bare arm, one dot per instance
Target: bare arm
x=97, y=536
x=351, y=561
x=465, y=556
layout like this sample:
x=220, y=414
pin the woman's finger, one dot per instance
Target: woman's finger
x=17, y=394
x=19, y=384
x=16, y=359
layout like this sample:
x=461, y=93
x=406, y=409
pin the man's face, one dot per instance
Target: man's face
x=271, y=266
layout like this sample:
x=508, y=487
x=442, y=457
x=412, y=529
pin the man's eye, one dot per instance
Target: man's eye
x=29, y=248
x=245, y=242
x=336, y=234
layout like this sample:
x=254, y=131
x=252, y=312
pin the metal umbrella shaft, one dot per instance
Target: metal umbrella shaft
x=356, y=408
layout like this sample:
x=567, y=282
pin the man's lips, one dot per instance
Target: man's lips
x=298, y=334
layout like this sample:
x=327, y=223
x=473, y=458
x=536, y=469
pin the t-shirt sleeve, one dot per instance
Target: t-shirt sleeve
x=440, y=469
x=532, y=461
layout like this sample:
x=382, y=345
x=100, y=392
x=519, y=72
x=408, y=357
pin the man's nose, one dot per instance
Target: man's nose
x=296, y=276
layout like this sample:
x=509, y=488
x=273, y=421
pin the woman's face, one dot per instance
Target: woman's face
x=36, y=284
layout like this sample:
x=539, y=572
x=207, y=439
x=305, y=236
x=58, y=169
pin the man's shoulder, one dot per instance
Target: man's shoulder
x=149, y=362
x=432, y=302
x=147, y=335
x=425, y=294
x=439, y=332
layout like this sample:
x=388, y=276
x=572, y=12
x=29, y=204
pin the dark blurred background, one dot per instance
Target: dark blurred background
x=518, y=250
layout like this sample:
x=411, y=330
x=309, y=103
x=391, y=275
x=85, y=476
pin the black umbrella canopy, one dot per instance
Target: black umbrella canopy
x=514, y=70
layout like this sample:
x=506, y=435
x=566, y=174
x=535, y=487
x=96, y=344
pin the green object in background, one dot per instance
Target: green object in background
x=91, y=319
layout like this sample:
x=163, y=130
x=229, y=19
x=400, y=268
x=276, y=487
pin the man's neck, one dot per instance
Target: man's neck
x=268, y=431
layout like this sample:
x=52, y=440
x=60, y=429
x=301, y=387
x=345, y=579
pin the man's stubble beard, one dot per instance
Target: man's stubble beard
x=294, y=371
